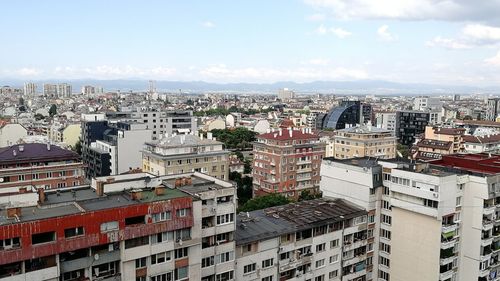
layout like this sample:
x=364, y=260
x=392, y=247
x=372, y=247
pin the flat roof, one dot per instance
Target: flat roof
x=275, y=221
x=482, y=163
x=368, y=162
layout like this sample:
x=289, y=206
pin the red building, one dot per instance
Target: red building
x=27, y=167
x=287, y=161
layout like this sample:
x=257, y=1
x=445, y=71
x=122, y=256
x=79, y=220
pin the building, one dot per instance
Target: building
x=131, y=232
x=287, y=161
x=409, y=124
x=386, y=120
x=179, y=154
x=429, y=149
x=321, y=239
x=453, y=135
x=430, y=221
x=478, y=144
x=112, y=148
x=11, y=133
x=423, y=103
x=30, y=89
x=285, y=94
x=29, y=166
x=492, y=109
x=61, y=90
x=364, y=141
x=67, y=134
x=347, y=114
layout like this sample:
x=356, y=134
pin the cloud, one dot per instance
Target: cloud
x=208, y=24
x=384, y=34
x=28, y=71
x=317, y=61
x=446, y=10
x=337, y=31
x=316, y=17
x=472, y=35
x=494, y=60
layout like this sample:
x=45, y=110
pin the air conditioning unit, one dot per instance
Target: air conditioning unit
x=435, y=194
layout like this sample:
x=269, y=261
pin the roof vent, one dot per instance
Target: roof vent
x=21, y=148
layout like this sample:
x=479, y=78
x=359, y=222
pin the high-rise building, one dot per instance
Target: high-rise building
x=386, y=120
x=423, y=103
x=62, y=90
x=287, y=161
x=186, y=153
x=319, y=239
x=492, y=109
x=409, y=124
x=347, y=114
x=125, y=228
x=88, y=90
x=30, y=89
x=285, y=94
x=438, y=215
x=50, y=90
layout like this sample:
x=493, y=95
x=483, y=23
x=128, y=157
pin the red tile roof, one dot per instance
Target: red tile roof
x=479, y=162
x=482, y=139
x=449, y=131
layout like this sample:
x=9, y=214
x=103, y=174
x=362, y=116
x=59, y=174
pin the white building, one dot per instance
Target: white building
x=386, y=120
x=30, y=89
x=11, y=134
x=285, y=94
x=485, y=143
x=423, y=103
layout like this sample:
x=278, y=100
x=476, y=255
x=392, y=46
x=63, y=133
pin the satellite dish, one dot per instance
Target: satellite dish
x=1, y=179
x=96, y=257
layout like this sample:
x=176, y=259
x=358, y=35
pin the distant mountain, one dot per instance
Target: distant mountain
x=336, y=87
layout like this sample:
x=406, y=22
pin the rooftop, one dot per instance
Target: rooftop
x=365, y=162
x=288, y=134
x=482, y=163
x=482, y=139
x=364, y=129
x=31, y=152
x=437, y=144
x=275, y=221
x=183, y=140
x=449, y=131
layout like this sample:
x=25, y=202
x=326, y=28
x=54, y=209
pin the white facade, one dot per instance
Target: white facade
x=11, y=134
x=386, y=120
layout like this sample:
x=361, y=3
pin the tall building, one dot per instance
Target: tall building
x=386, y=120
x=362, y=141
x=319, y=239
x=186, y=153
x=288, y=162
x=50, y=90
x=347, y=114
x=410, y=124
x=492, y=109
x=30, y=89
x=88, y=90
x=27, y=167
x=285, y=94
x=61, y=90
x=423, y=103
x=123, y=230
x=438, y=215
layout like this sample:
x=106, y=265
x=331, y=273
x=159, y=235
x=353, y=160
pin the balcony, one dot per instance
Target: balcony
x=443, y=261
x=448, y=243
x=446, y=275
x=487, y=224
x=302, y=162
x=449, y=231
x=488, y=210
x=486, y=241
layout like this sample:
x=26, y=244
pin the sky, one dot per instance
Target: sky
x=446, y=42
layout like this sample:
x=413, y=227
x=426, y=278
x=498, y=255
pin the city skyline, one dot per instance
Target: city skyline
x=444, y=42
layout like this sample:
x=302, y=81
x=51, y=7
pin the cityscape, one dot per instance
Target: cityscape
x=309, y=140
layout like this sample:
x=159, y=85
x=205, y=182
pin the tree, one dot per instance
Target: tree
x=244, y=187
x=239, y=155
x=78, y=147
x=307, y=195
x=263, y=202
x=39, y=116
x=404, y=150
x=239, y=138
x=247, y=168
x=53, y=110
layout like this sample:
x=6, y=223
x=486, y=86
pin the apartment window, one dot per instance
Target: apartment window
x=431, y=203
x=267, y=278
x=267, y=263
x=74, y=231
x=284, y=256
x=10, y=243
x=333, y=274
x=320, y=263
x=44, y=237
x=136, y=242
x=371, y=218
x=181, y=253
x=384, y=261
x=385, y=248
x=162, y=277
x=320, y=247
x=385, y=234
x=334, y=258
x=359, y=220
x=459, y=201
x=225, y=257
x=226, y=276
x=334, y=243
x=386, y=205
x=163, y=216
x=206, y=262
x=223, y=219
x=20, y=177
x=249, y=268
x=161, y=257
x=386, y=219
x=34, y=176
x=182, y=212
x=181, y=273
x=383, y=275
x=49, y=174
x=141, y=262
x=319, y=278
x=162, y=237
x=109, y=226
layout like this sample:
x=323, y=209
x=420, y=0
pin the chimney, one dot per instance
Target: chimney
x=48, y=146
x=21, y=148
x=41, y=195
x=178, y=182
x=14, y=212
x=99, y=190
x=14, y=152
x=136, y=195
x=159, y=190
x=189, y=181
x=209, y=135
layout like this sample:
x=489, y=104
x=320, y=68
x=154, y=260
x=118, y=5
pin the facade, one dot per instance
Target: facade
x=30, y=89
x=478, y=144
x=429, y=149
x=386, y=120
x=288, y=162
x=61, y=90
x=91, y=90
x=409, y=124
x=11, y=134
x=186, y=153
x=364, y=141
x=136, y=233
x=423, y=103
x=285, y=94
x=97, y=163
x=347, y=114
x=68, y=134
x=319, y=239
x=492, y=109
x=166, y=122
x=453, y=135
x=26, y=167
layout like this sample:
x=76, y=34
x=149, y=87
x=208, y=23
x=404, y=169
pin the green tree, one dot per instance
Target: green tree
x=239, y=155
x=78, y=147
x=263, y=202
x=244, y=187
x=247, y=168
x=307, y=195
x=239, y=138
x=404, y=150
x=53, y=110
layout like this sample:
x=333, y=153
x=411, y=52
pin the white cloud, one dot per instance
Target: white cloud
x=448, y=10
x=28, y=71
x=472, y=35
x=208, y=24
x=494, y=60
x=384, y=34
x=316, y=17
x=337, y=31
x=317, y=61
x=447, y=43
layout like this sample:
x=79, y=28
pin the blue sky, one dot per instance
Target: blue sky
x=419, y=41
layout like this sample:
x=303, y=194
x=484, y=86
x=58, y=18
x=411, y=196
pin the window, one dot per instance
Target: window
x=431, y=203
x=109, y=226
x=334, y=243
x=44, y=237
x=386, y=219
x=136, y=242
x=459, y=201
x=226, y=276
x=267, y=263
x=135, y=220
x=386, y=205
x=384, y=261
x=320, y=263
x=20, y=177
x=141, y=262
x=206, y=262
x=249, y=268
x=161, y=257
x=162, y=277
x=183, y=234
x=223, y=219
x=163, y=216
x=10, y=243
x=320, y=247
x=225, y=257
x=319, y=278
x=181, y=253
x=182, y=212
x=162, y=237
x=267, y=278
x=371, y=218
x=75, y=231
x=385, y=234
x=383, y=275
x=334, y=258
x=181, y=273
x=385, y=248
x=333, y=274
x=34, y=176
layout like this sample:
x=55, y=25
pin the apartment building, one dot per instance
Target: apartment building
x=186, y=153
x=61, y=90
x=410, y=124
x=321, y=239
x=492, y=109
x=362, y=141
x=27, y=167
x=478, y=144
x=287, y=161
x=127, y=228
x=430, y=221
x=386, y=120
x=29, y=89
x=166, y=122
x=453, y=135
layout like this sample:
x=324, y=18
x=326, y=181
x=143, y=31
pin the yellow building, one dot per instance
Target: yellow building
x=65, y=134
x=364, y=141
